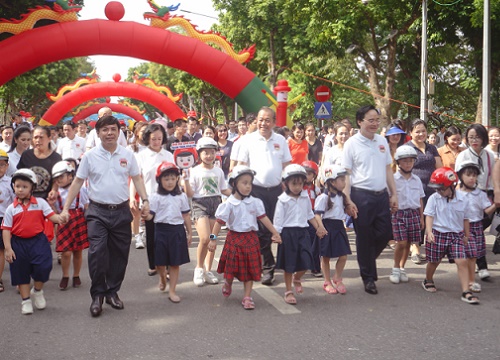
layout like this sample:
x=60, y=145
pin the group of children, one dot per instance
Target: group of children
x=308, y=225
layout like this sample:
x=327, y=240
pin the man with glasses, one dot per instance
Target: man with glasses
x=367, y=159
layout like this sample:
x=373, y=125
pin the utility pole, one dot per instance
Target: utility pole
x=485, y=95
x=423, y=68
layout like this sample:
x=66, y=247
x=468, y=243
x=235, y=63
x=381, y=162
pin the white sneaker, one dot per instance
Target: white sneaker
x=138, y=241
x=198, y=277
x=484, y=274
x=402, y=276
x=38, y=299
x=27, y=307
x=475, y=287
x=210, y=278
x=395, y=276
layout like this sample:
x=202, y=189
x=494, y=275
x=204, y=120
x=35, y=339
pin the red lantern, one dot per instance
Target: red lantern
x=117, y=77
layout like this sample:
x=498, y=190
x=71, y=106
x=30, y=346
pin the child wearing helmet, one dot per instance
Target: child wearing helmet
x=206, y=185
x=447, y=228
x=71, y=237
x=479, y=204
x=313, y=191
x=6, y=197
x=241, y=258
x=27, y=248
x=170, y=209
x=329, y=211
x=293, y=211
x=408, y=220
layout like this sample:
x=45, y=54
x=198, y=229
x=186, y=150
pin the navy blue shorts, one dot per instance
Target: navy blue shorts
x=33, y=259
x=294, y=253
x=171, y=248
x=2, y=245
x=336, y=243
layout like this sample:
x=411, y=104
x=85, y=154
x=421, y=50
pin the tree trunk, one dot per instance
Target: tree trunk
x=479, y=111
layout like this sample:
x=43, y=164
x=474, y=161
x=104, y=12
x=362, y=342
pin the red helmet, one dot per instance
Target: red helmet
x=310, y=166
x=443, y=177
x=166, y=166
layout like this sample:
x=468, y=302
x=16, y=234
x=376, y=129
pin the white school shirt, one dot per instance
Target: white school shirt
x=148, y=161
x=448, y=216
x=484, y=179
x=335, y=213
x=63, y=193
x=241, y=215
x=367, y=159
x=478, y=202
x=292, y=212
x=206, y=182
x=108, y=174
x=71, y=148
x=266, y=157
x=4, y=146
x=6, y=194
x=409, y=191
x=168, y=209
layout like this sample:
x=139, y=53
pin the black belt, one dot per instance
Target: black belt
x=110, y=206
x=272, y=188
x=369, y=191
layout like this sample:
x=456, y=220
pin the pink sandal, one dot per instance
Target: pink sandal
x=298, y=285
x=248, y=303
x=329, y=288
x=290, y=298
x=340, y=286
x=226, y=289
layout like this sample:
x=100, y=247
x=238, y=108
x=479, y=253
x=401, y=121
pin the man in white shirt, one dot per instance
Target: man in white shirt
x=71, y=146
x=233, y=131
x=266, y=153
x=81, y=129
x=7, y=133
x=367, y=159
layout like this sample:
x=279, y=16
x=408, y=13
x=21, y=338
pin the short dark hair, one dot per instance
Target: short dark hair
x=105, y=121
x=8, y=127
x=417, y=122
x=251, y=117
x=360, y=114
x=151, y=129
x=170, y=125
x=192, y=119
x=481, y=132
x=179, y=122
x=82, y=122
x=298, y=126
x=70, y=123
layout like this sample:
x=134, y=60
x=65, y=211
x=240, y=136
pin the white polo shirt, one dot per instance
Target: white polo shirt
x=292, y=212
x=168, y=209
x=484, y=180
x=68, y=148
x=448, y=216
x=335, y=213
x=241, y=215
x=148, y=161
x=367, y=159
x=409, y=191
x=6, y=194
x=266, y=157
x=478, y=202
x=93, y=140
x=108, y=174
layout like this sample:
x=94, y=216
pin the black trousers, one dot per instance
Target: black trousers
x=109, y=236
x=269, y=197
x=373, y=229
x=150, y=243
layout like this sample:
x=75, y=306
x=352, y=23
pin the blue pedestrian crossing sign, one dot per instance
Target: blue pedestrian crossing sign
x=323, y=110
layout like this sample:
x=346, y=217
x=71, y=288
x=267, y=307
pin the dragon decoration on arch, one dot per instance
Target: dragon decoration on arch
x=88, y=78
x=161, y=18
x=62, y=11
x=143, y=79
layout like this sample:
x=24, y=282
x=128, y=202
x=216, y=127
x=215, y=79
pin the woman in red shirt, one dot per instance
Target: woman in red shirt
x=298, y=147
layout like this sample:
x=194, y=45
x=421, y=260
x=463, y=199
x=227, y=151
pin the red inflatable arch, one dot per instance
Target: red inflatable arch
x=119, y=108
x=61, y=107
x=59, y=41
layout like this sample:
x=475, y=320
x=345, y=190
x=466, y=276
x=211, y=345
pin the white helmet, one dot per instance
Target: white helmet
x=62, y=167
x=405, y=151
x=466, y=164
x=293, y=169
x=25, y=174
x=206, y=143
x=332, y=172
x=239, y=170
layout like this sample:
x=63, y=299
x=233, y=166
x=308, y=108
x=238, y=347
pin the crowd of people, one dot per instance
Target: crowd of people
x=300, y=188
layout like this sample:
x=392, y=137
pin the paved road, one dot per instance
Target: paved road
x=402, y=322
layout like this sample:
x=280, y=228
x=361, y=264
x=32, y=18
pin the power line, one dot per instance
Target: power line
x=195, y=13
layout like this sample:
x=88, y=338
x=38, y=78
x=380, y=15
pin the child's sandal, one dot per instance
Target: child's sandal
x=2, y=288
x=298, y=285
x=340, y=286
x=226, y=289
x=329, y=288
x=248, y=303
x=470, y=298
x=290, y=298
x=429, y=286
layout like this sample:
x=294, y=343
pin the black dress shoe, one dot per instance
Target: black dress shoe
x=267, y=279
x=371, y=288
x=114, y=301
x=96, y=306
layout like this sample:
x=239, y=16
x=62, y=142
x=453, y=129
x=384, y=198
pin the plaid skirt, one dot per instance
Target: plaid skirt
x=240, y=257
x=72, y=236
x=476, y=246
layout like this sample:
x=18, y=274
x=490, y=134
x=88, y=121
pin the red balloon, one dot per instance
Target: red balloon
x=108, y=99
x=117, y=77
x=114, y=10
x=118, y=108
x=98, y=90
